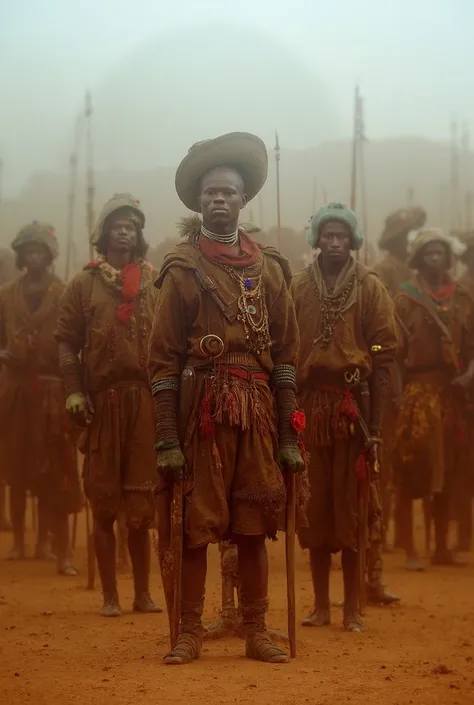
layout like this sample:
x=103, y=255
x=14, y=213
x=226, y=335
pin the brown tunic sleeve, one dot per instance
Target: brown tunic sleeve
x=168, y=340
x=71, y=325
x=284, y=328
x=380, y=327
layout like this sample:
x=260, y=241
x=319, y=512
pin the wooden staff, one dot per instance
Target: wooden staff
x=90, y=171
x=277, y=162
x=355, y=143
x=290, y=559
x=177, y=549
x=91, y=558
x=73, y=161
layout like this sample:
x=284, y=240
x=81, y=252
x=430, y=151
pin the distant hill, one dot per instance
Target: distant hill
x=391, y=167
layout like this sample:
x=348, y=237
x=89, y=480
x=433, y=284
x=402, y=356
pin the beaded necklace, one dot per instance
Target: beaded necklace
x=251, y=298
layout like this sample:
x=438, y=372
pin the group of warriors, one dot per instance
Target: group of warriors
x=227, y=378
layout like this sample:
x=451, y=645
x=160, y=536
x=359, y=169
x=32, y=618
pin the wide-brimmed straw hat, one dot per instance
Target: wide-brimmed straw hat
x=401, y=222
x=37, y=232
x=124, y=202
x=241, y=151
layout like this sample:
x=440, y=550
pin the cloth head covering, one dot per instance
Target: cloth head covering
x=340, y=213
x=125, y=203
x=401, y=222
x=425, y=237
x=40, y=233
x=241, y=151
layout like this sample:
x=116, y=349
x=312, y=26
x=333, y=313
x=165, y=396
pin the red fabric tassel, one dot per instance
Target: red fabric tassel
x=206, y=422
x=125, y=311
x=361, y=465
x=298, y=421
x=348, y=407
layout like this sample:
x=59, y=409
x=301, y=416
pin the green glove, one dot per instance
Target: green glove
x=290, y=457
x=79, y=408
x=171, y=463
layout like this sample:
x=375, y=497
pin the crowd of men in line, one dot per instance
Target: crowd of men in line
x=225, y=374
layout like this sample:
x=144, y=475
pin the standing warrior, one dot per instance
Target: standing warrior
x=105, y=317
x=465, y=486
x=438, y=361
x=392, y=270
x=348, y=344
x=225, y=317
x=7, y=272
x=35, y=437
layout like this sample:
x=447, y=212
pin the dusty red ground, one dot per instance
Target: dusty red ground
x=54, y=647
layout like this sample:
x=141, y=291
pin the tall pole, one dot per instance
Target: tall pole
x=277, y=160
x=73, y=162
x=355, y=141
x=315, y=195
x=466, y=180
x=410, y=196
x=260, y=210
x=90, y=171
x=363, y=182
x=1, y=181
x=454, y=211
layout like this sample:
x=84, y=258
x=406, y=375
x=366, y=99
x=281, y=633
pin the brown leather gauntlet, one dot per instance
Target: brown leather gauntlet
x=165, y=395
x=379, y=387
x=284, y=384
x=71, y=373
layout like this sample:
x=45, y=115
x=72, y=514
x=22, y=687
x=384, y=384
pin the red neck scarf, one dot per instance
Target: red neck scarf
x=222, y=254
x=445, y=292
x=132, y=276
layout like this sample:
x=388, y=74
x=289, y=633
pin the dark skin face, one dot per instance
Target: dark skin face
x=434, y=262
x=36, y=258
x=335, y=245
x=398, y=248
x=122, y=236
x=222, y=198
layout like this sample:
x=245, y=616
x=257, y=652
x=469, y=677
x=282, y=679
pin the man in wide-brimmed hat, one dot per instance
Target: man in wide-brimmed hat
x=105, y=318
x=37, y=449
x=348, y=345
x=437, y=315
x=225, y=337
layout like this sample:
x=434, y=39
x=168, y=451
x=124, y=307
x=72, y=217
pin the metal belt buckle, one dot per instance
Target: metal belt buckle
x=352, y=378
x=212, y=346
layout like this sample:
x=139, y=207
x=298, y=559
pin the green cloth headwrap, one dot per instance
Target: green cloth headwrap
x=340, y=213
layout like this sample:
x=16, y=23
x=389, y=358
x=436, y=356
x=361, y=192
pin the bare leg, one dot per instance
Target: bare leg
x=139, y=547
x=376, y=592
x=442, y=554
x=189, y=642
x=320, y=561
x=17, y=513
x=122, y=542
x=253, y=562
x=352, y=619
x=4, y=523
x=61, y=533
x=406, y=517
x=104, y=542
x=43, y=547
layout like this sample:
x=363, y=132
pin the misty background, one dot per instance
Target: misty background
x=165, y=75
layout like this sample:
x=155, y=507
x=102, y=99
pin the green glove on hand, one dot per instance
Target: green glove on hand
x=79, y=408
x=290, y=457
x=170, y=462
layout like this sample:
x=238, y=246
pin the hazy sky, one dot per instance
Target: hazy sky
x=413, y=58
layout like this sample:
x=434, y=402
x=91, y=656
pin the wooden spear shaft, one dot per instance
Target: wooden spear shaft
x=277, y=160
x=73, y=162
x=90, y=172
